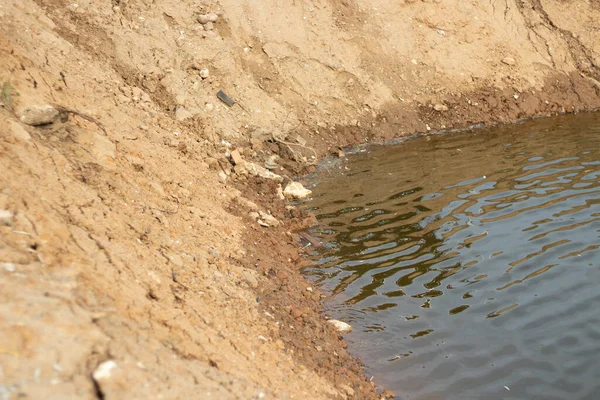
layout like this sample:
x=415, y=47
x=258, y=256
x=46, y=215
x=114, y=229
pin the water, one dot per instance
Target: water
x=469, y=264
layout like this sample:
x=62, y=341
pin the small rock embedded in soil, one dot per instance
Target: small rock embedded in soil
x=280, y=193
x=388, y=394
x=103, y=371
x=250, y=279
x=9, y=267
x=6, y=217
x=271, y=162
x=296, y=190
x=204, y=73
x=509, y=61
x=340, y=326
x=262, y=172
x=268, y=219
x=440, y=107
x=236, y=157
x=39, y=115
x=206, y=18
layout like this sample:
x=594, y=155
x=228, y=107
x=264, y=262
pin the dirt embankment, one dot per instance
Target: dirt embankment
x=130, y=265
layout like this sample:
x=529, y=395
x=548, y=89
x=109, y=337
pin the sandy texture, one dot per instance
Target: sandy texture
x=136, y=260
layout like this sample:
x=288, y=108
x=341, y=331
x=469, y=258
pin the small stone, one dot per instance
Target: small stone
x=236, y=157
x=388, y=394
x=340, y=326
x=280, y=193
x=509, y=61
x=104, y=370
x=262, y=172
x=204, y=73
x=212, y=163
x=39, y=115
x=209, y=107
x=309, y=289
x=271, y=162
x=209, y=26
x=206, y=18
x=222, y=177
x=269, y=219
x=440, y=107
x=103, y=150
x=137, y=94
x=9, y=267
x=6, y=217
x=250, y=278
x=296, y=190
x=240, y=169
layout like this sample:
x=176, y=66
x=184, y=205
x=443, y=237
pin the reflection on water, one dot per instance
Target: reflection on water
x=468, y=264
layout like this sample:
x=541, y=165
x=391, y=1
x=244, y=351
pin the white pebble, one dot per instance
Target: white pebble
x=9, y=267
x=104, y=370
x=6, y=217
x=340, y=326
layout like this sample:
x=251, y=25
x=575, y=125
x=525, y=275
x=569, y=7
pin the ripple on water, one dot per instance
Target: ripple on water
x=468, y=264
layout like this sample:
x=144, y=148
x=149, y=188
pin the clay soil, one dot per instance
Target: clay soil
x=130, y=264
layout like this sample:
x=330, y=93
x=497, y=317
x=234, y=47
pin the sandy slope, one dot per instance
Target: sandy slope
x=134, y=246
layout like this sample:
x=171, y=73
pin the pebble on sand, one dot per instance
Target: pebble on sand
x=206, y=18
x=6, y=217
x=104, y=370
x=236, y=158
x=39, y=115
x=204, y=73
x=509, y=61
x=340, y=326
x=296, y=190
x=9, y=267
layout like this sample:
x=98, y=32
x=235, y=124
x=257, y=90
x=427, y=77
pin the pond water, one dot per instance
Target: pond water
x=469, y=263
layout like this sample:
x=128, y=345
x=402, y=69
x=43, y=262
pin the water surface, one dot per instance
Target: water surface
x=469, y=263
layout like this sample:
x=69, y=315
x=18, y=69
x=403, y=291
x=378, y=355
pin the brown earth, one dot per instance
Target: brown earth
x=129, y=265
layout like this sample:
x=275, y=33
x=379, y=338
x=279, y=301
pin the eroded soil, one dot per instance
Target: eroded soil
x=129, y=264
